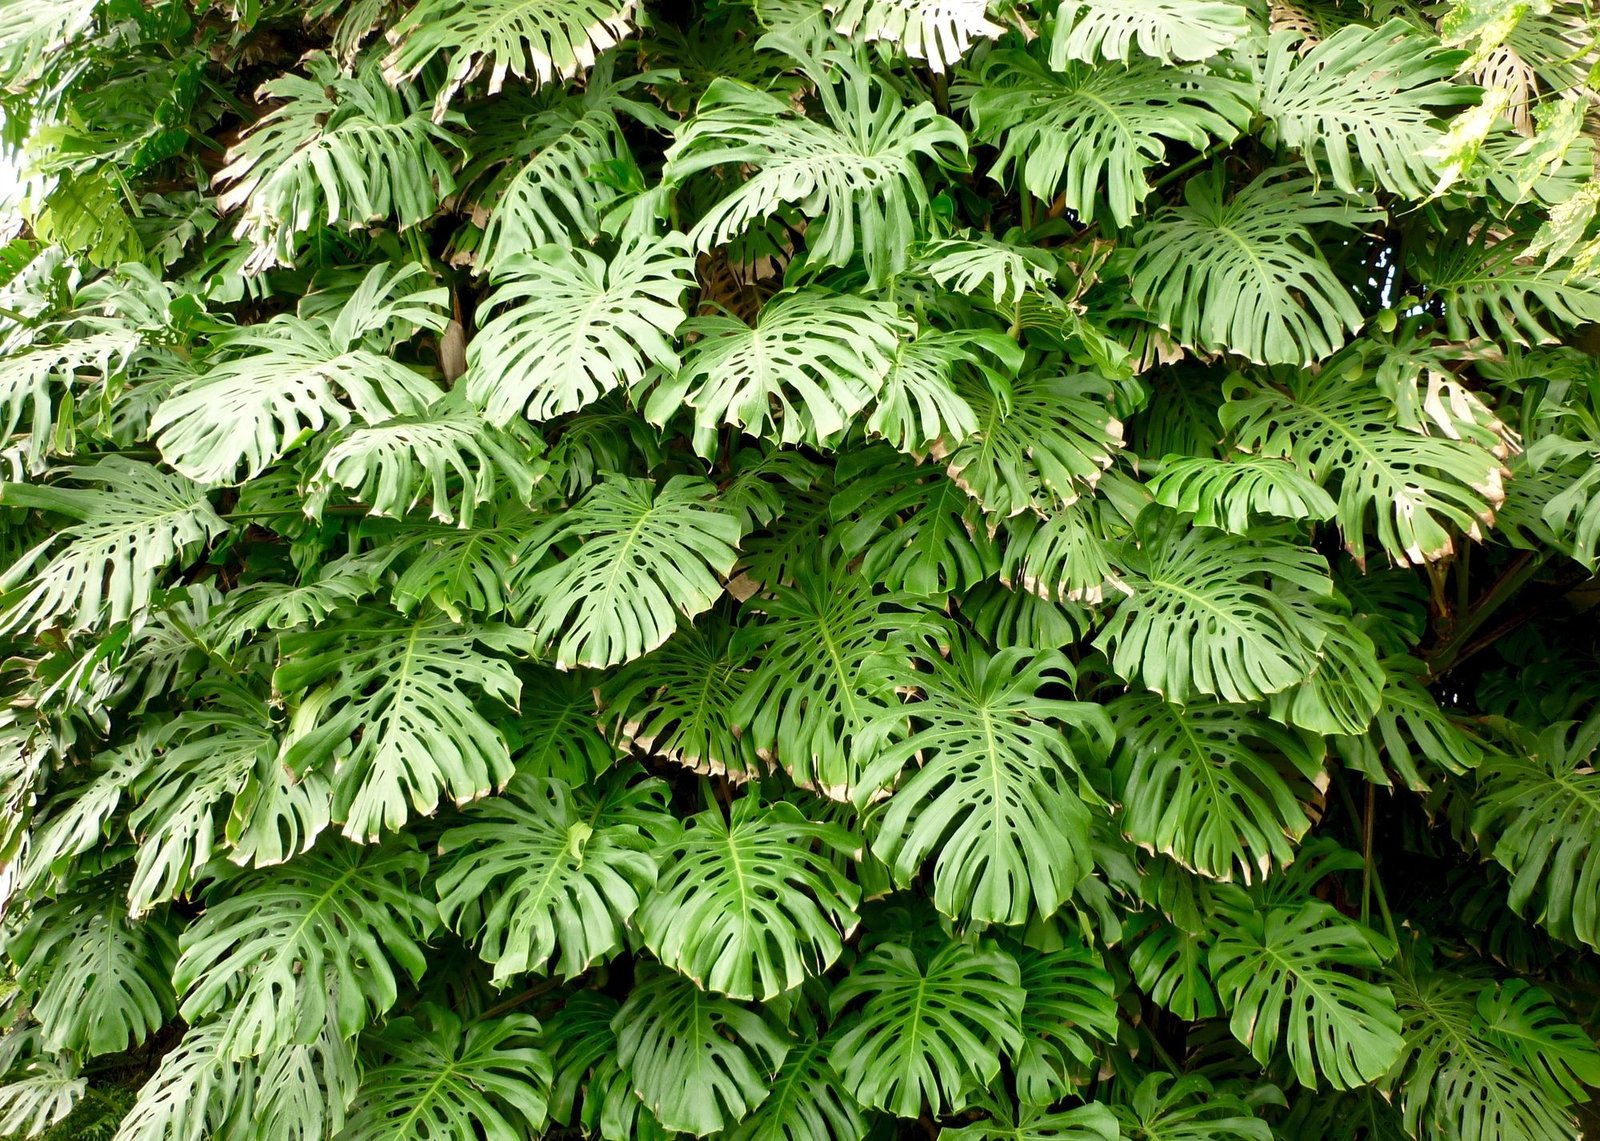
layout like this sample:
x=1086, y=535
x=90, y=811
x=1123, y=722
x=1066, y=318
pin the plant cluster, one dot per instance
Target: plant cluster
x=800, y=570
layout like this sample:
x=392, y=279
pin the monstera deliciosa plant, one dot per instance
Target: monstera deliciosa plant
x=800, y=570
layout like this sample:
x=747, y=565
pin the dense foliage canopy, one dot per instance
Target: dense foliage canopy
x=800, y=570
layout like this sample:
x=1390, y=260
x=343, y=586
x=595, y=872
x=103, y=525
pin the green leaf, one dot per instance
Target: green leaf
x=919, y=403
x=642, y=558
x=338, y=150
x=1231, y=493
x=915, y=529
x=281, y=952
x=700, y=1062
x=1189, y=1108
x=1279, y=973
x=834, y=649
x=1091, y=133
x=553, y=144
x=680, y=701
x=71, y=826
x=578, y=1036
x=1242, y=273
x=35, y=381
x=396, y=713
x=1007, y=269
x=926, y=1033
x=1215, y=614
x=1489, y=286
x=435, y=1078
x=1367, y=95
x=1218, y=788
x=750, y=905
x=1341, y=430
x=1345, y=690
x=192, y=1092
x=42, y=1095
x=271, y=384
x=537, y=40
x=130, y=527
x=97, y=981
x=1413, y=732
x=463, y=571
x=543, y=877
x=1522, y=1020
x=446, y=457
x=998, y=801
x=1071, y=1004
x=937, y=32
x=1538, y=814
x=855, y=172
x=567, y=327
x=204, y=759
x=303, y=1092
x=1092, y=1122
x=1062, y=557
x=1167, y=30
x=811, y=363
x=1493, y=1060
x=1039, y=446
x=807, y=1102
x=557, y=732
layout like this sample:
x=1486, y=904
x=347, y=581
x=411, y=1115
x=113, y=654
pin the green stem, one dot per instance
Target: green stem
x=1183, y=168
x=1371, y=884
x=1515, y=578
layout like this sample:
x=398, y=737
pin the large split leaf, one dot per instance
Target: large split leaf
x=1342, y=433
x=854, y=172
x=446, y=457
x=1090, y=133
x=1039, y=446
x=1284, y=974
x=267, y=385
x=699, y=1061
x=282, y=952
x=1243, y=273
x=1216, y=614
x=750, y=905
x=396, y=713
x=543, y=877
x=205, y=759
x=997, y=799
x=681, y=702
x=338, y=150
x=812, y=361
x=552, y=146
x=569, y=327
x=538, y=40
x=97, y=981
x=1499, y=1060
x=131, y=524
x=1218, y=788
x=1069, y=1011
x=916, y=530
x=937, y=31
x=927, y=1032
x=437, y=1079
x=1189, y=1108
x=1539, y=815
x=825, y=685
x=642, y=557
x=1367, y=95
x=1168, y=30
